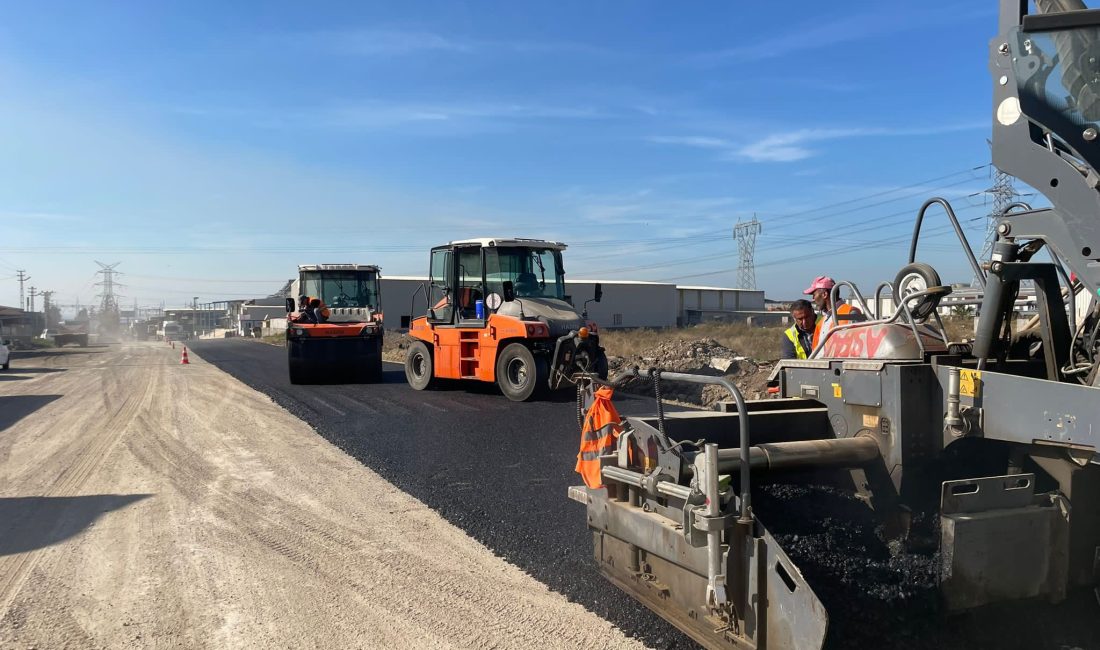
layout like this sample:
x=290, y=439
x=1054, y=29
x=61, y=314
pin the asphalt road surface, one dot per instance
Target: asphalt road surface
x=496, y=469
x=500, y=471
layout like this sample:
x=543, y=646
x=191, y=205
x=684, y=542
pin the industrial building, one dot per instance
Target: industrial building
x=625, y=304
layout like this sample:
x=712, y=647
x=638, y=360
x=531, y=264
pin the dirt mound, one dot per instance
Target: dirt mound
x=703, y=356
x=394, y=345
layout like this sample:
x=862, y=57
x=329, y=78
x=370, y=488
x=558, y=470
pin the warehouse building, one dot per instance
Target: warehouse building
x=625, y=304
x=699, y=304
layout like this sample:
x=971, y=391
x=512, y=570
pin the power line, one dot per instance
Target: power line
x=807, y=256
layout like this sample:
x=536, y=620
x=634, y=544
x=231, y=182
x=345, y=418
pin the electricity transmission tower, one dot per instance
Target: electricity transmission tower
x=46, y=296
x=745, y=233
x=108, y=299
x=1004, y=194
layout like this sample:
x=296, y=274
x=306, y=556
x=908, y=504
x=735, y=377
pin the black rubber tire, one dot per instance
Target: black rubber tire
x=374, y=374
x=299, y=374
x=5, y=366
x=419, y=366
x=370, y=372
x=922, y=309
x=520, y=374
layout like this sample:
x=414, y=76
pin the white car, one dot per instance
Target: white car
x=5, y=355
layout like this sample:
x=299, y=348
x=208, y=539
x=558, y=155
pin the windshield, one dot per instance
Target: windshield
x=1058, y=76
x=534, y=272
x=342, y=288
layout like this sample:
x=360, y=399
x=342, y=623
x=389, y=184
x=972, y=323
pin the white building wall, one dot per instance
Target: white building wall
x=707, y=303
x=397, y=301
x=624, y=304
x=627, y=304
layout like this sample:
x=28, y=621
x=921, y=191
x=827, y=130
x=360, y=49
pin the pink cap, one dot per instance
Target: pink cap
x=820, y=282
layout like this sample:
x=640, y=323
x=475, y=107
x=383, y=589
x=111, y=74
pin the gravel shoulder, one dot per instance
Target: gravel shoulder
x=148, y=504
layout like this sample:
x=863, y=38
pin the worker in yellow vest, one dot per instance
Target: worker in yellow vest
x=798, y=339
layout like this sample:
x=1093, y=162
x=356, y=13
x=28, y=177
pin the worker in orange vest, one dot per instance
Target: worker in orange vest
x=602, y=427
x=311, y=310
x=319, y=309
x=821, y=291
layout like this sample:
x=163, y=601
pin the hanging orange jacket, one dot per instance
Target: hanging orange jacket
x=602, y=426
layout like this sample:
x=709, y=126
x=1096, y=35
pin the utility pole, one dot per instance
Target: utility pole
x=195, y=315
x=30, y=301
x=745, y=233
x=22, y=276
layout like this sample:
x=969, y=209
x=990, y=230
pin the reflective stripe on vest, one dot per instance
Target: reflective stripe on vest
x=602, y=426
x=799, y=351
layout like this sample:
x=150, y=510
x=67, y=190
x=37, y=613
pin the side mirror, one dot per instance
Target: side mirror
x=289, y=305
x=509, y=291
x=599, y=292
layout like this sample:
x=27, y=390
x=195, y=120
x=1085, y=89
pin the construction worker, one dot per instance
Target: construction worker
x=318, y=309
x=798, y=339
x=303, y=315
x=311, y=310
x=821, y=291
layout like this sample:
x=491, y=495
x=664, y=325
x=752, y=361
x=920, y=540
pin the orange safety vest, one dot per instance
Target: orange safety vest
x=321, y=306
x=843, y=310
x=602, y=425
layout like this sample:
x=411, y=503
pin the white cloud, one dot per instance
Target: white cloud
x=436, y=117
x=789, y=147
x=699, y=141
x=844, y=29
x=397, y=42
x=792, y=146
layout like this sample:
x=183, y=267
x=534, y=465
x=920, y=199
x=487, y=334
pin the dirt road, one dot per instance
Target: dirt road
x=148, y=504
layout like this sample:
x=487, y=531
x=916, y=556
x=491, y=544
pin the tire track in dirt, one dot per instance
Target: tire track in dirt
x=421, y=587
x=15, y=569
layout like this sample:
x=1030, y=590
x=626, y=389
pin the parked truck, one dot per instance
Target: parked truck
x=68, y=334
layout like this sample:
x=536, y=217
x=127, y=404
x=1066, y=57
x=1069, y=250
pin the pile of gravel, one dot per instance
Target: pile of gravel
x=872, y=588
x=704, y=356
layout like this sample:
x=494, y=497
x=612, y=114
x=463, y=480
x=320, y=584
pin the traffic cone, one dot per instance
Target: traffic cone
x=183, y=359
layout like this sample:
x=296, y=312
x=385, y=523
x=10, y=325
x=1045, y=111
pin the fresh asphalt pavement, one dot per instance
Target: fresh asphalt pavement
x=499, y=470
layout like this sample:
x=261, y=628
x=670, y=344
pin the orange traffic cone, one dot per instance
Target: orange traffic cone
x=183, y=359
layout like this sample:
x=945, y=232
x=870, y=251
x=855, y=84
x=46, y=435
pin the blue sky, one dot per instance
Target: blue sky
x=211, y=147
